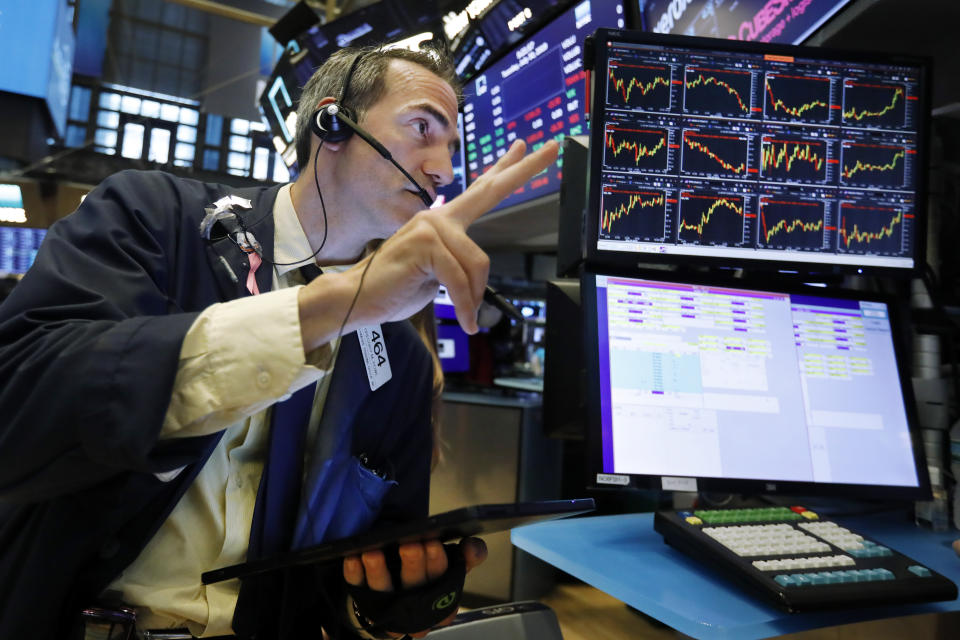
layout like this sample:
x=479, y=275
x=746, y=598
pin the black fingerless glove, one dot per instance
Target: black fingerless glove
x=410, y=610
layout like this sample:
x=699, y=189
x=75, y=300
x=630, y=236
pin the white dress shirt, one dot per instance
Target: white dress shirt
x=237, y=359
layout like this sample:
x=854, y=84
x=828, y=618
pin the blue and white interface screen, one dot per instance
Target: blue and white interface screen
x=712, y=382
x=750, y=156
x=535, y=93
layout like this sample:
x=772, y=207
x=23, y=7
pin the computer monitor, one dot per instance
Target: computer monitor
x=453, y=344
x=535, y=93
x=18, y=248
x=716, y=386
x=755, y=155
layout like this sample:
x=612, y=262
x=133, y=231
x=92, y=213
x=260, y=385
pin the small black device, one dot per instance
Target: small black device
x=450, y=525
x=571, y=245
x=564, y=370
x=298, y=19
x=798, y=561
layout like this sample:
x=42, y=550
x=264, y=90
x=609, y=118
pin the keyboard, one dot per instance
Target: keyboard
x=799, y=561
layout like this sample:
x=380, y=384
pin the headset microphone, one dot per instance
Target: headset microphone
x=328, y=123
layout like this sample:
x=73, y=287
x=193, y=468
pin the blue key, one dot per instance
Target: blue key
x=801, y=580
x=874, y=575
x=784, y=580
x=919, y=571
x=817, y=578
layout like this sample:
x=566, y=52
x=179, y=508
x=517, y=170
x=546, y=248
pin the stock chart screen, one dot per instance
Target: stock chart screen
x=535, y=93
x=740, y=154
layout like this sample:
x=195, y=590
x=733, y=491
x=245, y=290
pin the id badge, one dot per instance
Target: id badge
x=374, y=351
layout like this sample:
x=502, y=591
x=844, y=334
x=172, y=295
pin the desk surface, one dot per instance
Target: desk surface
x=623, y=556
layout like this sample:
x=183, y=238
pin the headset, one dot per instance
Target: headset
x=335, y=123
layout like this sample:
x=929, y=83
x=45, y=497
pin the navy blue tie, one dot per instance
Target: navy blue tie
x=278, y=497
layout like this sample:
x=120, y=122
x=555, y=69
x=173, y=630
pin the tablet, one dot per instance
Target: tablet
x=451, y=525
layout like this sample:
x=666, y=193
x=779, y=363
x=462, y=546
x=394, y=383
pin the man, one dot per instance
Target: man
x=138, y=374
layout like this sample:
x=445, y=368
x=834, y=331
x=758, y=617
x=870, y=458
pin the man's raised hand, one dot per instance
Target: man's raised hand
x=430, y=249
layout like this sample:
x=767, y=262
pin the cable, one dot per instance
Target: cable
x=323, y=208
x=353, y=303
x=328, y=376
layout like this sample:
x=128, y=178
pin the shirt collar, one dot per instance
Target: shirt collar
x=290, y=243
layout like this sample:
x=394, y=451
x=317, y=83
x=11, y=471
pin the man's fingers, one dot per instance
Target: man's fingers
x=450, y=272
x=505, y=177
x=436, y=559
x=473, y=260
x=375, y=568
x=474, y=551
x=353, y=571
x=413, y=565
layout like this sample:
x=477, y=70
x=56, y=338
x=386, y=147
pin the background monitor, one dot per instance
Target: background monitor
x=457, y=186
x=748, y=155
x=717, y=387
x=453, y=344
x=383, y=21
x=536, y=92
x=477, y=38
x=787, y=21
x=18, y=248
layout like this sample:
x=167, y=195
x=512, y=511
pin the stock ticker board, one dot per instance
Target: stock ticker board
x=735, y=151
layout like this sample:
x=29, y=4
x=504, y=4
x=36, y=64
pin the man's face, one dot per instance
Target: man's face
x=416, y=120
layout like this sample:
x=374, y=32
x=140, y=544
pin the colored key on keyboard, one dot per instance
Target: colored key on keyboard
x=800, y=561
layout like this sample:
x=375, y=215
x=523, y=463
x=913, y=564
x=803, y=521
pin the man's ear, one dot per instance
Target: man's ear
x=332, y=146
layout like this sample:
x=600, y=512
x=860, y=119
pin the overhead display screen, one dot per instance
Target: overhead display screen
x=786, y=21
x=535, y=93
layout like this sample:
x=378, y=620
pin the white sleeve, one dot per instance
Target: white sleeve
x=237, y=359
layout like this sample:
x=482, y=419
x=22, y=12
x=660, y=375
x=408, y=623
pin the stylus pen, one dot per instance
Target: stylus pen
x=492, y=297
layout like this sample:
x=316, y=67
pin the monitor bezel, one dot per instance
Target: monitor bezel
x=752, y=487
x=595, y=56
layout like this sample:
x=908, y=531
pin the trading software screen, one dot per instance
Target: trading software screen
x=743, y=155
x=706, y=381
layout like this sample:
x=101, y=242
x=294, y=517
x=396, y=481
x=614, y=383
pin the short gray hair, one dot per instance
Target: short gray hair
x=366, y=86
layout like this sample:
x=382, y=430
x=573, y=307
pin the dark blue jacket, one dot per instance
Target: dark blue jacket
x=89, y=348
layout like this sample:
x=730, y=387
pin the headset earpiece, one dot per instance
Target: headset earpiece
x=326, y=123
